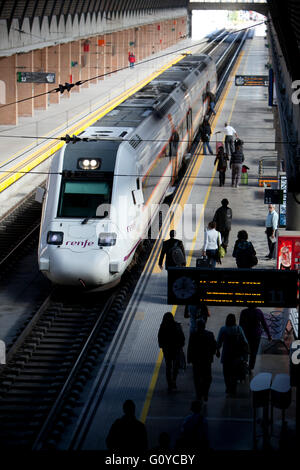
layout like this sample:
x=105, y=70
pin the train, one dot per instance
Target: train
x=103, y=191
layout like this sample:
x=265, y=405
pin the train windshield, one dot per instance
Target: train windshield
x=81, y=199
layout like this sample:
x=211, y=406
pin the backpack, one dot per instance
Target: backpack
x=177, y=255
x=222, y=161
x=244, y=255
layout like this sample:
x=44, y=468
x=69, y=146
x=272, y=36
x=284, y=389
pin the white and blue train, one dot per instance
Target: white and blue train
x=98, y=195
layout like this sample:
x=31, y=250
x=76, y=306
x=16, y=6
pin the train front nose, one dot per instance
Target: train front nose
x=72, y=269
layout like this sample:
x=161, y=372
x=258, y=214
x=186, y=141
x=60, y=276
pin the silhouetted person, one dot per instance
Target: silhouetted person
x=234, y=343
x=127, y=434
x=221, y=160
x=171, y=340
x=201, y=350
x=229, y=133
x=168, y=248
x=164, y=443
x=212, y=240
x=243, y=251
x=223, y=219
x=205, y=132
x=194, y=430
x=236, y=161
x=195, y=313
x=252, y=321
x=271, y=228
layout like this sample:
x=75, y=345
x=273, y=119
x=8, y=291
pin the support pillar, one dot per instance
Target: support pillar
x=101, y=56
x=54, y=66
x=65, y=63
x=25, y=90
x=75, y=65
x=108, y=54
x=293, y=211
x=114, y=51
x=40, y=64
x=8, y=93
x=84, y=63
x=94, y=60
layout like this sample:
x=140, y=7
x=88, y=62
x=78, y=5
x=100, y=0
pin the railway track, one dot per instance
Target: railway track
x=19, y=231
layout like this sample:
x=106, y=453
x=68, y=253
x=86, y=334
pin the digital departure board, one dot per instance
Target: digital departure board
x=251, y=80
x=262, y=287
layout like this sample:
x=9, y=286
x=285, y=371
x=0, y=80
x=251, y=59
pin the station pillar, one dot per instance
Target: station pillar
x=8, y=90
x=40, y=64
x=54, y=66
x=293, y=211
x=24, y=90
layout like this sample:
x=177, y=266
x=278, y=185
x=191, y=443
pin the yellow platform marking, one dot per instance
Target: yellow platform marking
x=47, y=150
x=185, y=195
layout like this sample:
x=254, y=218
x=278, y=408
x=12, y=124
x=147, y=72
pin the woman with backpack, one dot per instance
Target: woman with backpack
x=171, y=339
x=221, y=159
x=244, y=252
x=234, y=357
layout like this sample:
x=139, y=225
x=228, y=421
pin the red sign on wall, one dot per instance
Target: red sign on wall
x=288, y=250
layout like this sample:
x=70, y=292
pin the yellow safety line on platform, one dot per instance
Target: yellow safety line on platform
x=7, y=178
x=154, y=378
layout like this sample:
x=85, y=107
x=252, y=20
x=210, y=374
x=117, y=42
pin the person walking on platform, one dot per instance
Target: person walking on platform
x=212, y=101
x=173, y=250
x=205, y=133
x=271, y=228
x=234, y=353
x=223, y=219
x=244, y=252
x=171, y=339
x=195, y=313
x=127, y=434
x=131, y=59
x=194, y=430
x=201, y=350
x=212, y=240
x=236, y=161
x=229, y=133
x=252, y=321
x=221, y=159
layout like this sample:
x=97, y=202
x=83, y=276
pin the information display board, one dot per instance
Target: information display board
x=251, y=80
x=36, y=77
x=262, y=287
x=273, y=196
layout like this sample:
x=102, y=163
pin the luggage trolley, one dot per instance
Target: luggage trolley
x=219, y=143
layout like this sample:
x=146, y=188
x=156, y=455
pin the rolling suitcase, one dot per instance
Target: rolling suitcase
x=202, y=262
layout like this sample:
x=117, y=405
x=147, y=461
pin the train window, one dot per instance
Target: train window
x=80, y=199
x=138, y=183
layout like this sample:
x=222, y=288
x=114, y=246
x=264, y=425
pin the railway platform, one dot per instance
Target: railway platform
x=134, y=367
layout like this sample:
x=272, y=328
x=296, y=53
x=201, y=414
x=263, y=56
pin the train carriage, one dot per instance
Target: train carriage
x=102, y=192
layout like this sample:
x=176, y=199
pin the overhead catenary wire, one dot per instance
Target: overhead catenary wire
x=74, y=139
x=68, y=86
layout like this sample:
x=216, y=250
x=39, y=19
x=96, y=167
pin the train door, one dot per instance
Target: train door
x=173, y=154
x=189, y=126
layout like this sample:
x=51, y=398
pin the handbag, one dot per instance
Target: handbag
x=253, y=260
x=222, y=251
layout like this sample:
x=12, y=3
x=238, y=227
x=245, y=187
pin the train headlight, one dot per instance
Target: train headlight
x=89, y=163
x=55, y=238
x=107, y=239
